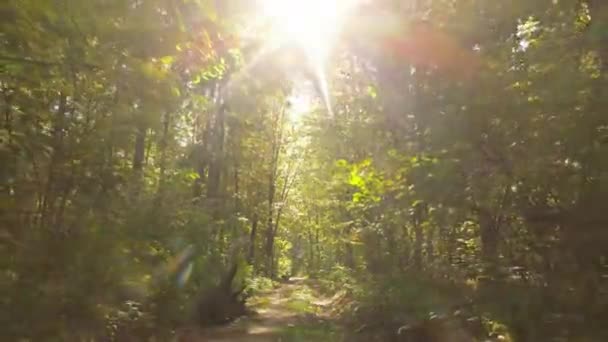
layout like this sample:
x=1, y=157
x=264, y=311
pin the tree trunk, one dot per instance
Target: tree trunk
x=317, y=244
x=311, y=250
x=47, y=206
x=270, y=271
x=252, y=238
x=269, y=245
x=164, y=142
x=349, y=258
x=269, y=225
x=237, y=199
x=430, y=251
x=140, y=148
x=217, y=153
x=221, y=304
x=598, y=9
x=272, y=179
x=417, y=219
x=405, y=254
x=203, y=150
x=489, y=239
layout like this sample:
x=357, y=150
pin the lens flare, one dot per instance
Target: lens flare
x=313, y=26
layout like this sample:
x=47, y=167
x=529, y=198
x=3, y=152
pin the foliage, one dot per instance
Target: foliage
x=308, y=332
x=489, y=176
x=146, y=148
x=260, y=284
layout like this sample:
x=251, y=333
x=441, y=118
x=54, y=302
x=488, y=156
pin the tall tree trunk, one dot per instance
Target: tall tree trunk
x=139, y=153
x=47, y=207
x=430, y=251
x=237, y=199
x=406, y=253
x=270, y=271
x=311, y=250
x=217, y=147
x=269, y=247
x=592, y=259
x=489, y=239
x=598, y=9
x=451, y=244
x=9, y=171
x=216, y=160
x=317, y=244
x=203, y=151
x=417, y=218
x=277, y=136
x=349, y=258
x=66, y=188
x=162, y=150
x=252, y=238
x=269, y=244
x=140, y=148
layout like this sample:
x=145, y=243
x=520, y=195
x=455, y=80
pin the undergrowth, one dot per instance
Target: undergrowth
x=386, y=306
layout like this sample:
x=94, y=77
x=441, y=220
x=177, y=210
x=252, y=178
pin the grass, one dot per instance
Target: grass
x=300, y=306
x=319, y=331
x=301, y=301
x=259, y=302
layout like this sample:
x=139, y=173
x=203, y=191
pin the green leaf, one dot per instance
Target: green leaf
x=371, y=91
x=167, y=60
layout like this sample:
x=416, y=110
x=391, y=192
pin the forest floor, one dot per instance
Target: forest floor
x=292, y=311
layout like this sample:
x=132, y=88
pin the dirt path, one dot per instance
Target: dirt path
x=292, y=312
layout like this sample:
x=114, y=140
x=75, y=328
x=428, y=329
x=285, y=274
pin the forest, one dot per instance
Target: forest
x=284, y=170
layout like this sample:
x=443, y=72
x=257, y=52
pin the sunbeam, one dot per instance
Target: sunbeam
x=312, y=26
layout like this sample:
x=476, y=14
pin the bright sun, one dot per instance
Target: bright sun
x=312, y=24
